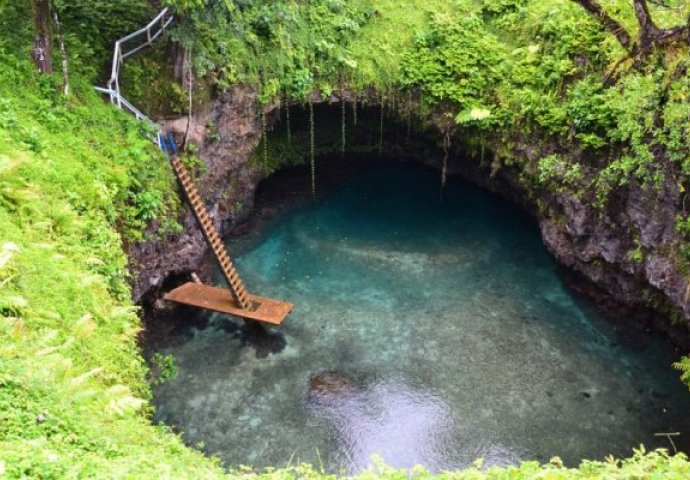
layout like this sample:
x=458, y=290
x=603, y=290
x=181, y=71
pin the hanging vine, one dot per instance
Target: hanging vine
x=409, y=114
x=383, y=111
x=342, y=127
x=444, y=167
x=264, y=139
x=288, y=126
x=482, y=145
x=312, y=152
x=354, y=111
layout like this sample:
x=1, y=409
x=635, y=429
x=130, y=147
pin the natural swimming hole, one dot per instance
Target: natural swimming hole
x=424, y=332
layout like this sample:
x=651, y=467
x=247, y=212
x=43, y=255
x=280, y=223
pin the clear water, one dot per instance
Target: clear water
x=450, y=333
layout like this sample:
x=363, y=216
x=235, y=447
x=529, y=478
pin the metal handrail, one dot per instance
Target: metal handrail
x=160, y=23
x=125, y=105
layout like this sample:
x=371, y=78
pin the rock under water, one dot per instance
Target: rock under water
x=331, y=387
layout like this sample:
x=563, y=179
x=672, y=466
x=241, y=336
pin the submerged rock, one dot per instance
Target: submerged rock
x=331, y=387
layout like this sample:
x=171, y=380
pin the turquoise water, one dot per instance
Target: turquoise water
x=448, y=333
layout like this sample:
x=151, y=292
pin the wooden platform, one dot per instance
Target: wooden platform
x=220, y=300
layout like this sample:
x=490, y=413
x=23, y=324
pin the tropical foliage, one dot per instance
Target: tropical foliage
x=78, y=180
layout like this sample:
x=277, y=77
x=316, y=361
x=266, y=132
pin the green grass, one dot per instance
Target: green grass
x=392, y=29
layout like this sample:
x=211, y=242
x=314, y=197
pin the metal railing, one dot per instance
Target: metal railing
x=124, y=104
x=152, y=31
x=124, y=49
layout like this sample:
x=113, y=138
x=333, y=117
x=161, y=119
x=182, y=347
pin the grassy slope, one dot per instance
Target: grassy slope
x=70, y=172
x=73, y=173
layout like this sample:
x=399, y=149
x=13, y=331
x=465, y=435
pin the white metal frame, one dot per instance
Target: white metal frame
x=160, y=23
x=151, y=32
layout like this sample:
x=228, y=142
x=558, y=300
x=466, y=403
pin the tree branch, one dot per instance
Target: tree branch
x=650, y=34
x=648, y=28
x=63, y=52
x=593, y=7
x=190, y=89
x=674, y=34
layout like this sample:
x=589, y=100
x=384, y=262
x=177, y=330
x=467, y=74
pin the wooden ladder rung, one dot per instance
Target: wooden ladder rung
x=233, y=277
x=215, y=242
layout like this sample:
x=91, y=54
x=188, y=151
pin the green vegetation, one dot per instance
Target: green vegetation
x=522, y=68
x=283, y=47
x=538, y=68
x=78, y=180
x=164, y=368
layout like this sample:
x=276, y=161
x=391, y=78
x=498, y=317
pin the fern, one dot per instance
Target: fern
x=684, y=366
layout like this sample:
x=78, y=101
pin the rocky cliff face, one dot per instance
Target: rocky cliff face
x=628, y=251
x=227, y=133
x=623, y=256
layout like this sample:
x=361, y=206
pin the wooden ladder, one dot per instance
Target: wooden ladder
x=237, y=289
x=234, y=300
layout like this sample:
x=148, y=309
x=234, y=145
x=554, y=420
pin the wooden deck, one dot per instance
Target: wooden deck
x=220, y=300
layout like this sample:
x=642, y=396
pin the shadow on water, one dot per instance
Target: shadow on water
x=424, y=332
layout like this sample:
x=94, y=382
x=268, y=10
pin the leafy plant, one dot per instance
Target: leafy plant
x=557, y=173
x=164, y=368
x=77, y=181
x=684, y=366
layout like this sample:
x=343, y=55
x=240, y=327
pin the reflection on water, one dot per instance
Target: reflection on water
x=425, y=333
x=404, y=426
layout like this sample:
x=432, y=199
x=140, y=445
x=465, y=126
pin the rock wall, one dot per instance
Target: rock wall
x=628, y=251
x=597, y=245
x=624, y=256
x=227, y=134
